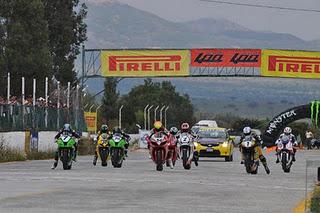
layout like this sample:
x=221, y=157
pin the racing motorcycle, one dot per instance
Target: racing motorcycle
x=66, y=149
x=186, y=149
x=250, y=156
x=103, y=149
x=117, y=147
x=285, y=151
x=159, y=148
x=172, y=151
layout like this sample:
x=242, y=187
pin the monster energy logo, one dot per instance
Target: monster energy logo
x=315, y=106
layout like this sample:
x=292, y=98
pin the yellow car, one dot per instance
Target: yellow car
x=214, y=142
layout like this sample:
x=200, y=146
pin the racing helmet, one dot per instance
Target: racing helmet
x=67, y=127
x=104, y=128
x=117, y=130
x=247, y=130
x=174, y=130
x=185, y=127
x=287, y=130
x=157, y=125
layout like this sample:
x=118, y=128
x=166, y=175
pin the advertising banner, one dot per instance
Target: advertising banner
x=291, y=64
x=135, y=63
x=225, y=58
x=143, y=144
x=91, y=121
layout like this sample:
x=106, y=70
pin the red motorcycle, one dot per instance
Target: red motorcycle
x=173, y=151
x=159, y=148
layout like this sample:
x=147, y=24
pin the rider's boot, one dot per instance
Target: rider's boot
x=293, y=157
x=56, y=158
x=264, y=163
x=95, y=158
x=54, y=165
x=277, y=161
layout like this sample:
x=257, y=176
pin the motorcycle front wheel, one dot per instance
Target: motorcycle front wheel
x=159, y=166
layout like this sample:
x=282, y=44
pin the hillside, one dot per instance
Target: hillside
x=115, y=25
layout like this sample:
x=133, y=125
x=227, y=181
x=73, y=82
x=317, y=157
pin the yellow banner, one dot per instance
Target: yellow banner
x=140, y=63
x=91, y=121
x=290, y=64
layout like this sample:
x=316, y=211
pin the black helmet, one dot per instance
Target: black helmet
x=104, y=128
x=173, y=130
x=117, y=130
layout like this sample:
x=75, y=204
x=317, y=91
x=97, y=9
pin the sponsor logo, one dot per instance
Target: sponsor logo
x=315, y=107
x=145, y=63
x=235, y=59
x=294, y=64
x=279, y=119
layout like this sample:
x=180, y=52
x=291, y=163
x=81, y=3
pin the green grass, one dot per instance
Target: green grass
x=315, y=200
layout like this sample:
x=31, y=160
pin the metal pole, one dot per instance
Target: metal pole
x=8, y=88
x=68, y=96
x=149, y=116
x=162, y=108
x=145, y=116
x=46, y=104
x=165, y=116
x=155, y=113
x=91, y=107
x=34, y=92
x=46, y=91
x=22, y=99
x=58, y=106
x=97, y=114
x=77, y=107
x=120, y=116
x=83, y=66
x=22, y=91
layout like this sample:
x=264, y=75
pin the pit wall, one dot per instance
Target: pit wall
x=20, y=140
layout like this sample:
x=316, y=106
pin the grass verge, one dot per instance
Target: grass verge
x=315, y=200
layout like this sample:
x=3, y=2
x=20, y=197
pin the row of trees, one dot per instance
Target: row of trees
x=152, y=93
x=38, y=39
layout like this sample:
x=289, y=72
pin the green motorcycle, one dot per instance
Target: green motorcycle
x=117, y=146
x=66, y=150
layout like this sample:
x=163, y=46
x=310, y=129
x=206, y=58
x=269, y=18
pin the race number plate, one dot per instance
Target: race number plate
x=209, y=150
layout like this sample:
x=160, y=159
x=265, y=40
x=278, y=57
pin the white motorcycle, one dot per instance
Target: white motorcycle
x=285, y=152
x=186, y=149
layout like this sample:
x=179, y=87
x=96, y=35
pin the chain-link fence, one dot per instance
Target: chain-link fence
x=20, y=118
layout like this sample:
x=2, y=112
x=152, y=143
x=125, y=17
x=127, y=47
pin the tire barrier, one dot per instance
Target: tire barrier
x=279, y=122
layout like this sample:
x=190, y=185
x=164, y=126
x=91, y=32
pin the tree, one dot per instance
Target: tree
x=24, y=44
x=67, y=31
x=154, y=93
x=110, y=100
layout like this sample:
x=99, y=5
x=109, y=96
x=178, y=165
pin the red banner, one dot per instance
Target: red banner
x=226, y=58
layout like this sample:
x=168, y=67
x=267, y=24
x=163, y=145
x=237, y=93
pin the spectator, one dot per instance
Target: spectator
x=309, y=137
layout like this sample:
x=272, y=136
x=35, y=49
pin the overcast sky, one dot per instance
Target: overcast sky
x=302, y=24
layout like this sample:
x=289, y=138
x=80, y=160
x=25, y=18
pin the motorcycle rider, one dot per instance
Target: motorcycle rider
x=174, y=131
x=103, y=130
x=117, y=130
x=247, y=132
x=185, y=128
x=287, y=132
x=158, y=127
x=66, y=130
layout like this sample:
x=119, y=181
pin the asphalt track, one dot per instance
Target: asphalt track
x=214, y=186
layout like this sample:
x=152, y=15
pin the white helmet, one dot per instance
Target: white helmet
x=287, y=130
x=247, y=130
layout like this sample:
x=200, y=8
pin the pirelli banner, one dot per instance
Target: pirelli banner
x=144, y=63
x=290, y=63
